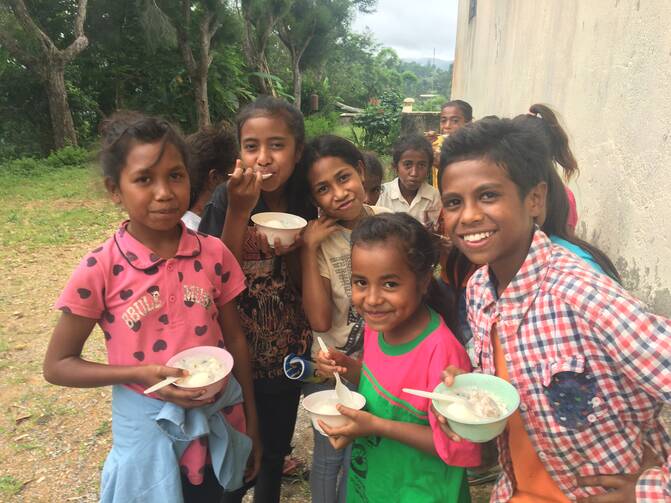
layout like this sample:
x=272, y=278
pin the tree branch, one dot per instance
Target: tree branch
x=16, y=51
x=183, y=39
x=27, y=23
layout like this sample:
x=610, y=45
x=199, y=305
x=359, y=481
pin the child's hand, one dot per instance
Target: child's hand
x=244, y=188
x=318, y=230
x=331, y=362
x=448, y=379
x=340, y=442
x=254, y=460
x=360, y=424
x=148, y=375
x=278, y=248
x=622, y=487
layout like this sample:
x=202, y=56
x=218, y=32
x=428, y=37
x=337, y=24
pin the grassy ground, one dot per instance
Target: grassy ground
x=54, y=440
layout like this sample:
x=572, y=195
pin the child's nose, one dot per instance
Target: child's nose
x=264, y=158
x=373, y=296
x=471, y=213
x=163, y=190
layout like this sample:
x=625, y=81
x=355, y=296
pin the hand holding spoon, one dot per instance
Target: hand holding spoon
x=342, y=391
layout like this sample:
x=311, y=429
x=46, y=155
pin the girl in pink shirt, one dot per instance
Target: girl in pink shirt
x=155, y=288
x=399, y=453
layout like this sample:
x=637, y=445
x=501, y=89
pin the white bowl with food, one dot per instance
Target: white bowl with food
x=208, y=366
x=490, y=401
x=277, y=225
x=322, y=406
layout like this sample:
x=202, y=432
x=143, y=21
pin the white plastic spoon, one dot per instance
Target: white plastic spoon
x=161, y=384
x=342, y=391
x=264, y=176
x=437, y=396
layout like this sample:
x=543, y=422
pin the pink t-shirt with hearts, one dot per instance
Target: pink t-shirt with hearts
x=150, y=308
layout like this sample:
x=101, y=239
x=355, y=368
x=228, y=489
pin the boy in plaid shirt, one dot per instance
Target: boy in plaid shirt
x=592, y=366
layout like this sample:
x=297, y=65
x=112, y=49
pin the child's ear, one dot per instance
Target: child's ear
x=536, y=199
x=113, y=190
x=424, y=284
x=214, y=178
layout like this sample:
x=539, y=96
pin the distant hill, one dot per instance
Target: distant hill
x=443, y=64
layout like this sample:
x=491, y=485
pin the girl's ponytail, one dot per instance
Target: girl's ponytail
x=557, y=138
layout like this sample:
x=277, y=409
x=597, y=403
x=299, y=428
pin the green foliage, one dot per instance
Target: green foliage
x=67, y=157
x=431, y=104
x=319, y=124
x=10, y=486
x=380, y=124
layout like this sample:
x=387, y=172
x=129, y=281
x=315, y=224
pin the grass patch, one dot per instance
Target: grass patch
x=54, y=207
x=104, y=429
x=9, y=485
x=27, y=446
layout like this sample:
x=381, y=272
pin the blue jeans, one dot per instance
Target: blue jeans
x=328, y=476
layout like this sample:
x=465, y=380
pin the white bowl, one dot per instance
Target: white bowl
x=283, y=226
x=317, y=402
x=223, y=356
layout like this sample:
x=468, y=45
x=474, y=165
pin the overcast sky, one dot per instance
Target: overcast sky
x=413, y=28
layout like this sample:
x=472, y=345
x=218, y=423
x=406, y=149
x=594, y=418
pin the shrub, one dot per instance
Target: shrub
x=67, y=157
x=319, y=124
x=380, y=124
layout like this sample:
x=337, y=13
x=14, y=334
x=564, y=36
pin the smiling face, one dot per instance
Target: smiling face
x=268, y=145
x=337, y=188
x=412, y=168
x=154, y=189
x=486, y=218
x=386, y=292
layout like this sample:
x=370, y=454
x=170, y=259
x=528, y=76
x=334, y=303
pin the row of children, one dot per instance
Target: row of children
x=591, y=365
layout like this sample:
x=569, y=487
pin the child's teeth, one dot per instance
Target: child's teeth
x=477, y=237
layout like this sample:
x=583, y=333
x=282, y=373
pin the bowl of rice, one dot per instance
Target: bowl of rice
x=282, y=226
x=208, y=368
x=490, y=402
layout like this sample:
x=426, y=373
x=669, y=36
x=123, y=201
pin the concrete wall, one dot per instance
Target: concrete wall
x=605, y=66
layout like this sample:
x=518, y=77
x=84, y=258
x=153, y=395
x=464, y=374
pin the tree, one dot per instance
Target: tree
x=260, y=18
x=28, y=43
x=208, y=16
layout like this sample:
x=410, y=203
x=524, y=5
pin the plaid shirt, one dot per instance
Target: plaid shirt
x=592, y=367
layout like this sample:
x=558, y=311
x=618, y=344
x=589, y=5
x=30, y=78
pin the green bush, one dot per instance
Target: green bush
x=380, y=124
x=319, y=124
x=68, y=157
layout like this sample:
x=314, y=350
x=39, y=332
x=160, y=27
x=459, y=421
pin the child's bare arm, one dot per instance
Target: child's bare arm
x=364, y=424
x=236, y=343
x=244, y=190
x=64, y=365
x=317, y=298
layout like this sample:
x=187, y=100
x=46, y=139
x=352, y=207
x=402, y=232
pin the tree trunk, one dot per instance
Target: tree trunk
x=298, y=83
x=202, y=103
x=59, y=109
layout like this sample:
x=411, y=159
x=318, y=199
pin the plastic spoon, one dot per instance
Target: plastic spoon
x=161, y=384
x=437, y=396
x=342, y=391
x=264, y=176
